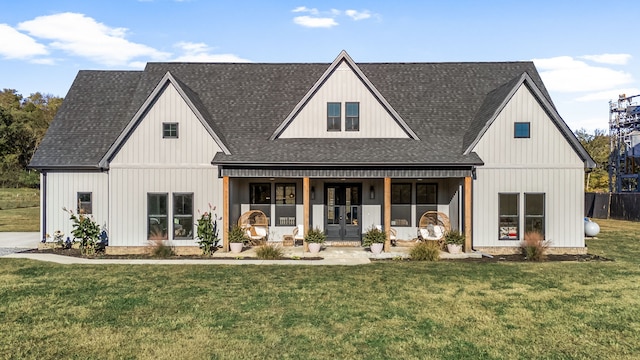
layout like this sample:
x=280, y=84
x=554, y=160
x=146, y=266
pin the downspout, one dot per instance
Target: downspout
x=43, y=205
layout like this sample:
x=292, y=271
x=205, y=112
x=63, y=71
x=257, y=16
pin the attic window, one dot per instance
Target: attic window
x=334, y=116
x=522, y=130
x=352, y=120
x=169, y=130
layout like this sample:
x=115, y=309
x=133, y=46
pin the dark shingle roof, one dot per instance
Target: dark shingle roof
x=443, y=103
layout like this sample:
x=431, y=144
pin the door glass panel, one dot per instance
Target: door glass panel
x=352, y=216
x=331, y=196
x=335, y=215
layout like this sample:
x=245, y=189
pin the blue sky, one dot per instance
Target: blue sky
x=586, y=51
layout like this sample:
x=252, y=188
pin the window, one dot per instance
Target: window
x=401, y=204
x=334, y=116
x=352, y=120
x=157, y=212
x=426, y=199
x=534, y=213
x=84, y=203
x=182, y=216
x=522, y=130
x=261, y=198
x=170, y=130
x=286, y=204
x=509, y=223
x=261, y=193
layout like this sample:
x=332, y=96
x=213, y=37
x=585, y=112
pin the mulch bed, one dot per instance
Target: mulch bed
x=496, y=258
x=102, y=255
x=521, y=258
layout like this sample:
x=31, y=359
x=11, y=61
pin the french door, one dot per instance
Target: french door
x=343, y=211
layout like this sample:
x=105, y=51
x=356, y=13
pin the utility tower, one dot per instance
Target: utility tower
x=624, y=137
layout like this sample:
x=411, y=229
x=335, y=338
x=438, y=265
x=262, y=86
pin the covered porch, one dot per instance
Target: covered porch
x=344, y=203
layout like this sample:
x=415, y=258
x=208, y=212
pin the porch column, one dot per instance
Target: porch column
x=387, y=213
x=225, y=213
x=467, y=214
x=305, y=207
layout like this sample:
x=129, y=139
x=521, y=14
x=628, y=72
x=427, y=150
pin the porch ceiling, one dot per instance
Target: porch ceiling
x=347, y=172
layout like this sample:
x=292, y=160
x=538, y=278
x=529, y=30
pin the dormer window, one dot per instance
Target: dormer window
x=169, y=130
x=352, y=120
x=522, y=130
x=334, y=116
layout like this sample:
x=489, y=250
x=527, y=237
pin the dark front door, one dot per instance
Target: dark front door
x=343, y=211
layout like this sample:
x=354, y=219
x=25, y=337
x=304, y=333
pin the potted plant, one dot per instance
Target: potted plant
x=374, y=238
x=315, y=237
x=237, y=238
x=454, y=240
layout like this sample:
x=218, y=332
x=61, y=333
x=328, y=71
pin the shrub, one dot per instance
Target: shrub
x=454, y=237
x=425, y=251
x=237, y=235
x=160, y=250
x=208, y=231
x=269, y=252
x=374, y=236
x=534, y=246
x=315, y=235
x=87, y=231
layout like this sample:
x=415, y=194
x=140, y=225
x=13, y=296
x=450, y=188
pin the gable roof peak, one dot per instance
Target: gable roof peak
x=343, y=57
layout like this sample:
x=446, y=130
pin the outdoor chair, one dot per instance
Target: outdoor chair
x=433, y=226
x=256, y=225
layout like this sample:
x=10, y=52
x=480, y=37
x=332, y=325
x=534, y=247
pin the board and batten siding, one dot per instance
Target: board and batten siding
x=129, y=189
x=343, y=86
x=544, y=163
x=62, y=191
x=147, y=163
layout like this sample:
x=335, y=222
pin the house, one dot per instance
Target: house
x=341, y=146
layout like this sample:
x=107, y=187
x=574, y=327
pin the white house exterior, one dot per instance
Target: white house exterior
x=341, y=147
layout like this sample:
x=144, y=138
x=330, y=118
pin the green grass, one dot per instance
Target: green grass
x=394, y=309
x=19, y=209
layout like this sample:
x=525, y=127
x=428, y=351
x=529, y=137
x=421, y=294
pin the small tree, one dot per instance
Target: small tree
x=86, y=230
x=207, y=229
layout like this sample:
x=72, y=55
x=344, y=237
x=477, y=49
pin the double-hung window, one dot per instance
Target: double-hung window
x=509, y=217
x=352, y=120
x=260, y=198
x=157, y=213
x=182, y=216
x=401, y=204
x=534, y=213
x=426, y=199
x=286, y=204
x=334, y=116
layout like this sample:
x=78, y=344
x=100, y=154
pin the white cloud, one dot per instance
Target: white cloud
x=357, y=15
x=607, y=95
x=612, y=59
x=83, y=36
x=566, y=74
x=200, y=52
x=314, y=22
x=313, y=11
x=16, y=45
x=327, y=19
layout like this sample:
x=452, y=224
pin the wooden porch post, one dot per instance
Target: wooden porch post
x=387, y=213
x=467, y=214
x=305, y=207
x=225, y=213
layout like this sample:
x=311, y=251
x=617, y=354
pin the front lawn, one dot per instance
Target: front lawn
x=392, y=309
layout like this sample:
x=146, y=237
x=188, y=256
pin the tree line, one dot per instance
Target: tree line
x=597, y=145
x=23, y=123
